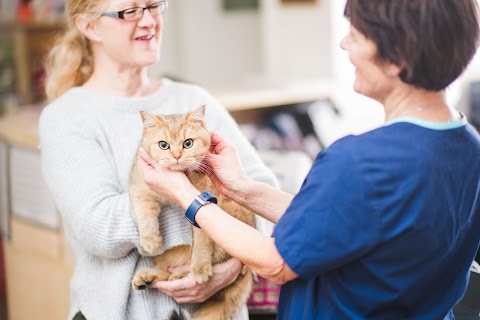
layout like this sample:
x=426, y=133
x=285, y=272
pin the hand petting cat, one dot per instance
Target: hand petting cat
x=227, y=173
x=172, y=185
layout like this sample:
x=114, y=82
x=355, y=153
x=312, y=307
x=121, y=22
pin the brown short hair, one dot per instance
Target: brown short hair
x=434, y=40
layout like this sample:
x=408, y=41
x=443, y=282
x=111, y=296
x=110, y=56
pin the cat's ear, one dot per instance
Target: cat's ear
x=149, y=120
x=197, y=115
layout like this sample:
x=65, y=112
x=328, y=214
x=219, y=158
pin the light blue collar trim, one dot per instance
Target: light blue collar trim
x=452, y=124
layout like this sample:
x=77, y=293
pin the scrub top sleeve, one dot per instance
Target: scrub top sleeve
x=330, y=222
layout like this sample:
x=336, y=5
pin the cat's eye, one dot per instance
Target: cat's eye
x=163, y=145
x=187, y=144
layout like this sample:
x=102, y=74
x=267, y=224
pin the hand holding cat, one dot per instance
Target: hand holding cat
x=187, y=290
x=228, y=175
x=169, y=183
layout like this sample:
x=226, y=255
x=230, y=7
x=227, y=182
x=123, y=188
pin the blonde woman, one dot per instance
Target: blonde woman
x=97, y=82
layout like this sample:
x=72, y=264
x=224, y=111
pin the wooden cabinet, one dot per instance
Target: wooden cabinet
x=38, y=266
x=37, y=261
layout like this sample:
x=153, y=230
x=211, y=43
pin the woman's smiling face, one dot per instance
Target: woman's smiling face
x=371, y=79
x=133, y=43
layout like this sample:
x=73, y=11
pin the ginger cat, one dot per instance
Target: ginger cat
x=181, y=142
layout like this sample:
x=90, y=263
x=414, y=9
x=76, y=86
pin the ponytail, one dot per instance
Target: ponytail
x=70, y=62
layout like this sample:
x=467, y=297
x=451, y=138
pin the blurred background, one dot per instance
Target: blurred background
x=276, y=65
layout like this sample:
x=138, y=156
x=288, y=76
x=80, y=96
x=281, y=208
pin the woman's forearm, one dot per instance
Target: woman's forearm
x=262, y=199
x=240, y=240
x=249, y=245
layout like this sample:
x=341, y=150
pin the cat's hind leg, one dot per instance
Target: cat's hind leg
x=144, y=278
x=177, y=256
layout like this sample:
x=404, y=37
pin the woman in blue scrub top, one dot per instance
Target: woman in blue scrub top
x=387, y=223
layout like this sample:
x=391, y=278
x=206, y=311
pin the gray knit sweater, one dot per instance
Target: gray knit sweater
x=88, y=141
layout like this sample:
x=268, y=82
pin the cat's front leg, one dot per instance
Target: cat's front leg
x=147, y=211
x=202, y=253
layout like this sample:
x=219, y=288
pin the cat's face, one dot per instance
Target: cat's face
x=178, y=142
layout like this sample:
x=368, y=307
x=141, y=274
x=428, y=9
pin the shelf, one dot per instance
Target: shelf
x=271, y=96
x=33, y=25
x=31, y=40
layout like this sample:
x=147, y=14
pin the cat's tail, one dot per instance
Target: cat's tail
x=180, y=315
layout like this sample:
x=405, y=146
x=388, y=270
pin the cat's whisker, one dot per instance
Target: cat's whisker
x=205, y=168
x=200, y=161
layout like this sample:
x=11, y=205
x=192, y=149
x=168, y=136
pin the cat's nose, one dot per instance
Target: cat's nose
x=176, y=157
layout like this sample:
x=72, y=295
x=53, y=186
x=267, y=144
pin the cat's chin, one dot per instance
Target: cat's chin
x=178, y=167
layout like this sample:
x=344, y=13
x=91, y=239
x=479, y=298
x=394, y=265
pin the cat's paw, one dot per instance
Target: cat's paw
x=151, y=243
x=144, y=278
x=202, y=272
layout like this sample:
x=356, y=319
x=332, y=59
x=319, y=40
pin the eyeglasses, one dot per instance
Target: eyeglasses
x=136, y=13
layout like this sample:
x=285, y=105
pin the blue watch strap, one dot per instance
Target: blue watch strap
x=203, y=199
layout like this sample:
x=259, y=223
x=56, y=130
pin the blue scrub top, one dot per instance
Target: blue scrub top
x=385, y=226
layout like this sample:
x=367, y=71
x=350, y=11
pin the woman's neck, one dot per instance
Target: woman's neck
x=128, y=82
x=418, y=103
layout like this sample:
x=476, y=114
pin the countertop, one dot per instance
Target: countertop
x=21, y=127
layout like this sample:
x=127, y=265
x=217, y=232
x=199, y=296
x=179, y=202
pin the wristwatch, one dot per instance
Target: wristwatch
x=201, y=200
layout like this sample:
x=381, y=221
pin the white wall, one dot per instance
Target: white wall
x=296, y=39
x=471, y=74
x=359, y=113
x=216, y=48
x=208, y=46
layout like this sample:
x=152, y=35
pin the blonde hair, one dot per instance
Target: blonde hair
x=70, y=61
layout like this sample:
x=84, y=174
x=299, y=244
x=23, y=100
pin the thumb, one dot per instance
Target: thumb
x=145, y=160
x=218, y=144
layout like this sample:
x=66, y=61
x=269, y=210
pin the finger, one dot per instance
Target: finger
x=186, y=283
x=188, y=299
x=144, y=165
x=215, y=137
x=172, y=289
x=218, y=143
x=145, y=160
x=145, y=155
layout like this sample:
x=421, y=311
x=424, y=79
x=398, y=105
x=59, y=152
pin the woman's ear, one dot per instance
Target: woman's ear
x=392, y=70
x=88, y=28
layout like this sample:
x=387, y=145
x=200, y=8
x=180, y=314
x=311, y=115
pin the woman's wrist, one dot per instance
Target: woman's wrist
x=243, y=191
x=185, y=198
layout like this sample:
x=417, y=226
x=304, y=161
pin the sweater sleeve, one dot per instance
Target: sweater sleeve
x=83, y=182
